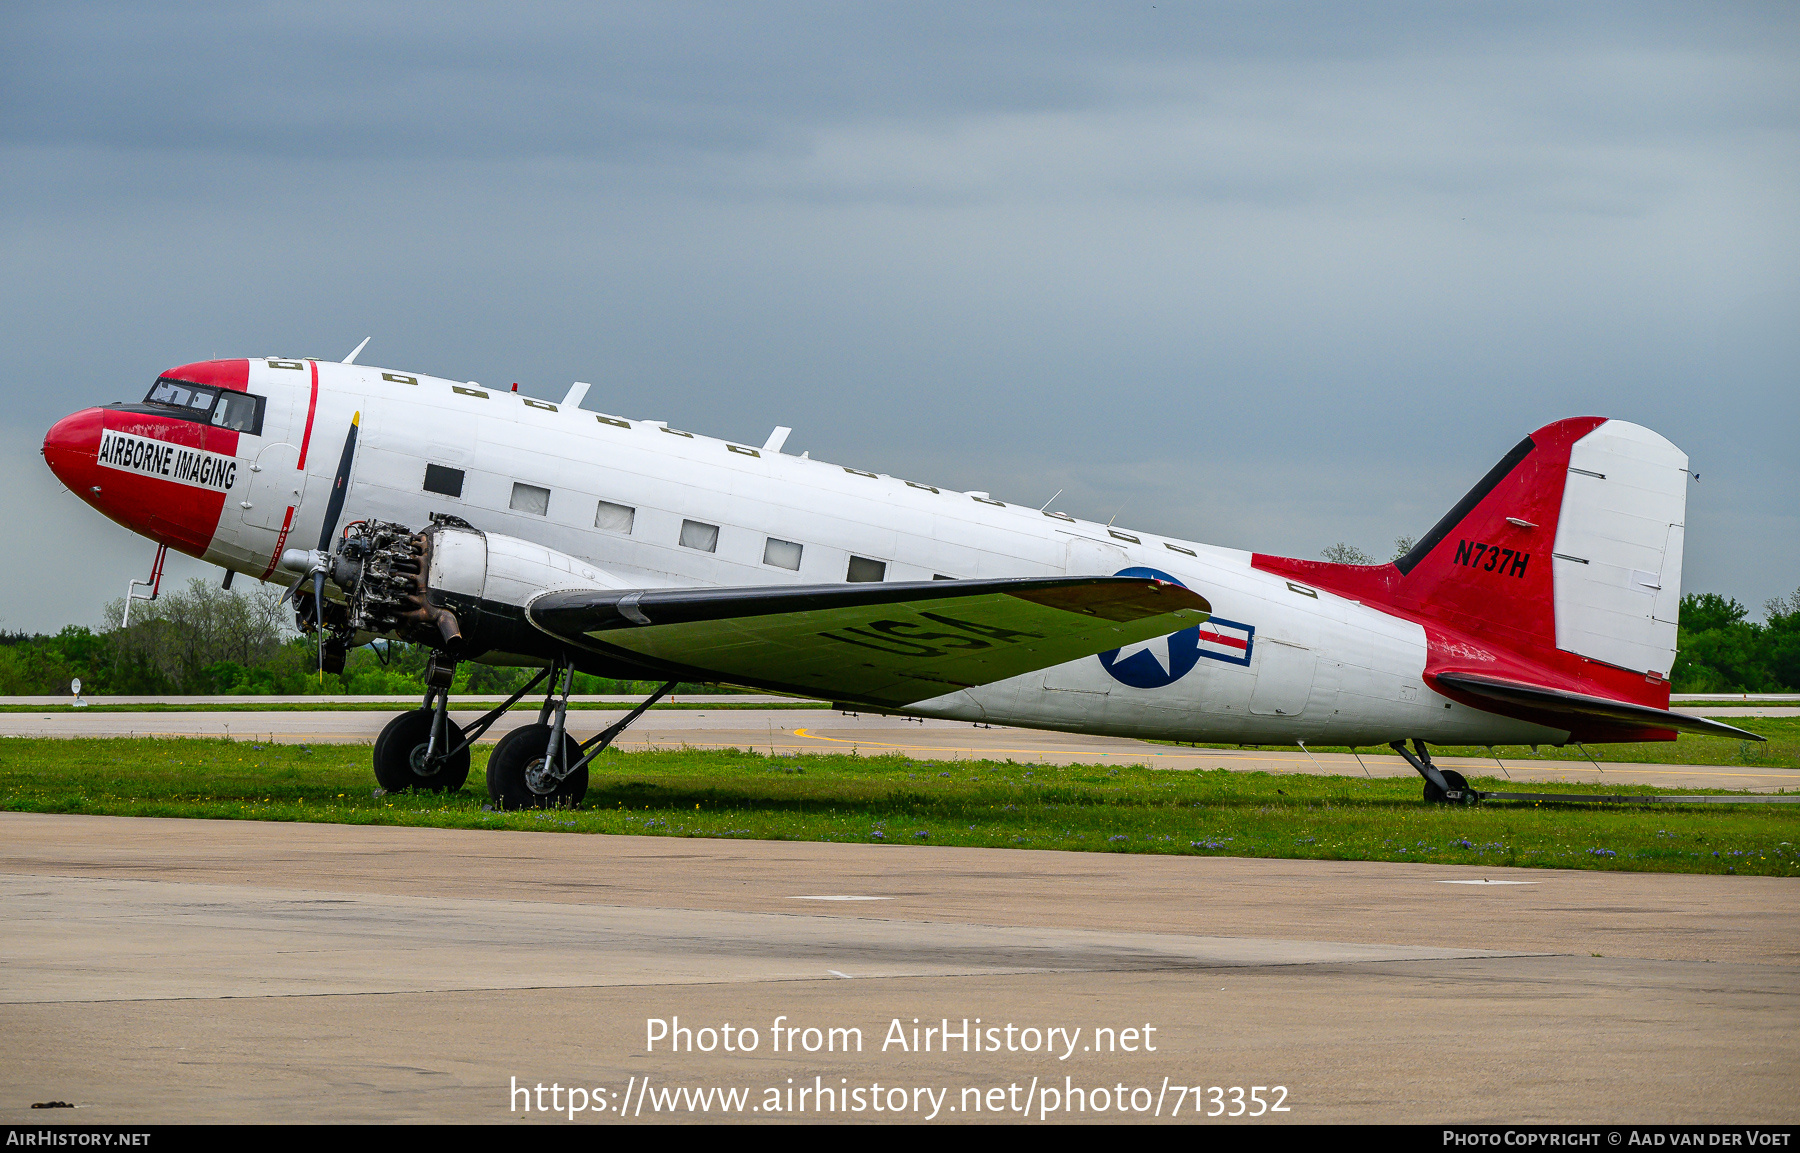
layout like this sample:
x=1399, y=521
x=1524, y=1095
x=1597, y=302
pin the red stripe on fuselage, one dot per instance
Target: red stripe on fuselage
x=1222, y=639
x=312, y=406
x=287, y=523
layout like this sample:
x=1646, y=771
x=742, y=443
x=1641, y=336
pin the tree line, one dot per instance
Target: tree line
x=207, y=641
x=212, y=641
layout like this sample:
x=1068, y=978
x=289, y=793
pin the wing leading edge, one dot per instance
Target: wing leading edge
x=879, y=644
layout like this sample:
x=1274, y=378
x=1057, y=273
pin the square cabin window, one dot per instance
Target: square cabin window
x=864, y=569
x=443, y=481
x=530, y=498
x=704, y=537
x=782, y=554
x=615, y=517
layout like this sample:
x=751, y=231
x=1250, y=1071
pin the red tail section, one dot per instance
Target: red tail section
x=1482, y=584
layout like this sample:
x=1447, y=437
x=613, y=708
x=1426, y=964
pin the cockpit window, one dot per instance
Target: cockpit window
x=240, y=411
x=191, y=398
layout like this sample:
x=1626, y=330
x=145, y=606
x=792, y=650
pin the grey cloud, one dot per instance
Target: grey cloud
x=631, y=81
x=1268, y=277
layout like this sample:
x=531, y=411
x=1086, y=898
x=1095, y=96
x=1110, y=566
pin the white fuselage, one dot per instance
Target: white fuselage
x=1281, y=662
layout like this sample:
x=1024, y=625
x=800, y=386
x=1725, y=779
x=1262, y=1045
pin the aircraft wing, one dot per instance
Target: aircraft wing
x=1581, y=707
x=880, y=644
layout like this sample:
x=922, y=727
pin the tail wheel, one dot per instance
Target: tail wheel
x=517, y=778
x=400, y=761
x=1455, y=780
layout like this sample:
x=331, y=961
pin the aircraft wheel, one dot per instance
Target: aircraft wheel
x=516, y=777
x=1452, y=778
x=400, y=755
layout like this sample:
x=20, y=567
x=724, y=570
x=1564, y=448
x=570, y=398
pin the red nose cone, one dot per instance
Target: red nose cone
x=69, y=450
x=146, y=472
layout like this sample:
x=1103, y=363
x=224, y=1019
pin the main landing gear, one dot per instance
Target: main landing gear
x=541, y=766
x=533, y=767
x=1445, y=785
x=425, y=749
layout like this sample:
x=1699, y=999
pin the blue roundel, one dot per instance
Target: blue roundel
x=1147, y=668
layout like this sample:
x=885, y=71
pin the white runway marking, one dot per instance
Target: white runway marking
x=840, y=898
x=1485, y=881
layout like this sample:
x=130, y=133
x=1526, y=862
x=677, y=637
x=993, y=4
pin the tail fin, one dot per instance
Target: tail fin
x=1566, y=554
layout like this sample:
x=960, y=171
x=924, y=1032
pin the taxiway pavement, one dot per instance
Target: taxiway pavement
x=175, y=970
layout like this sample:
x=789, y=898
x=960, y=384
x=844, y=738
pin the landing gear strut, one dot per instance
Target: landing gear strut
x=425, y=749
x=541, y=766
x=1440, y=784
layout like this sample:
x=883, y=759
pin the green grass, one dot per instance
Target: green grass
x=900, y=801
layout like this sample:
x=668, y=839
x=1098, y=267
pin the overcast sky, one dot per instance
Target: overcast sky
x=1265, y=275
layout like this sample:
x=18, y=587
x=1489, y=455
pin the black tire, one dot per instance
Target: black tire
x=400, y=755
x=1456, y=781
x=514, y=767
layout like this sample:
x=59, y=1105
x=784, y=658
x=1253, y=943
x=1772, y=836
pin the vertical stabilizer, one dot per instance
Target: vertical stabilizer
x=1565, y=556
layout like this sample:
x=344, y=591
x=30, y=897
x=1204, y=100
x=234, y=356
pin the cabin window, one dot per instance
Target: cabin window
x=615, y=517
x=782, y=554
x=864, y=569
x=443, y=481
x=530, y=498
x=704, y=537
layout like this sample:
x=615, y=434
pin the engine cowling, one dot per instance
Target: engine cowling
x=453, y=586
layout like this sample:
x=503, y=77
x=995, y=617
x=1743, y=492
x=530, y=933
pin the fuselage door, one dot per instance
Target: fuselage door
x=276, y=485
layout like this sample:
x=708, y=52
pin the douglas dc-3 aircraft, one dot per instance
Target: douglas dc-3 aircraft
x=497, y=527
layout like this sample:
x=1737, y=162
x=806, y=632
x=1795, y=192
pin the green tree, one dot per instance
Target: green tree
x=1341, y=553
x=1782, y=637
x=1701, y=612
x=179, y=641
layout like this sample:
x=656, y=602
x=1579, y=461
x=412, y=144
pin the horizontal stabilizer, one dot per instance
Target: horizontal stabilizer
x=880, y=643
x=1581, y=707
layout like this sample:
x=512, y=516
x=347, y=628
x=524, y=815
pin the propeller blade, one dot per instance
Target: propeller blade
x=334, y=508
x=319, y=608
x=293, y=590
